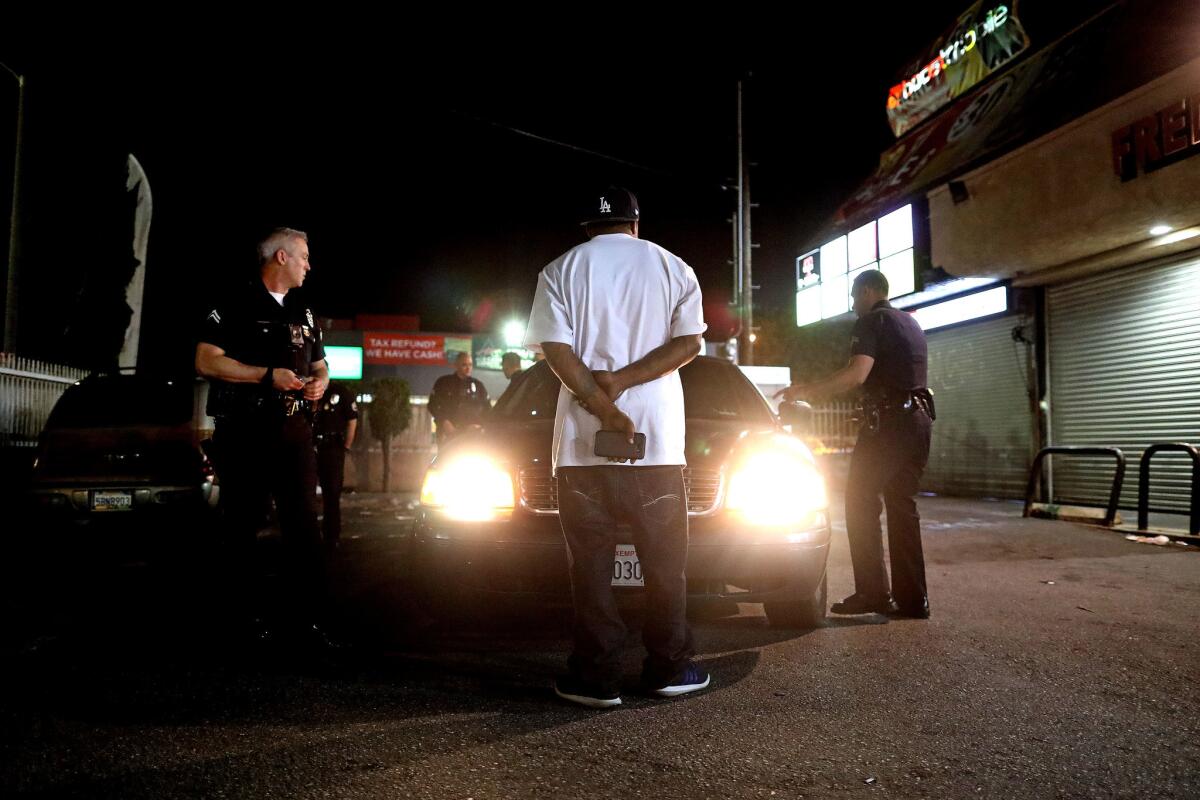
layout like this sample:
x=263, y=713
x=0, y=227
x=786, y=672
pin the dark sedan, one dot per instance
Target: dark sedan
x=758, y=514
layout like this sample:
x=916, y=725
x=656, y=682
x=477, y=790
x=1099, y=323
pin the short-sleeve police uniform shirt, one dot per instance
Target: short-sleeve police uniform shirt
x=253, y=328
x=614, y=299
x=462, y=401
x=335, y=411
x=897, y=343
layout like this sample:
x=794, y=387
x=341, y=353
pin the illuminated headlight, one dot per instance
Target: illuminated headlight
x=468, y=488
x=777, y=485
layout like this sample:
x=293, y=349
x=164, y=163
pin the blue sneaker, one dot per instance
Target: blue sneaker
x=691, y=679
x=576, y=691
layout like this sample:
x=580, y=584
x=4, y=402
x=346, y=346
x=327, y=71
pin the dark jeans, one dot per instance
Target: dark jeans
x=888, y=463
x=331, y=471
x=651, y=501
x=259, y=458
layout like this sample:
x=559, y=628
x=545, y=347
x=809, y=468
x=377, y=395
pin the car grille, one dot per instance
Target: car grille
x=539, y=490
x=702, y=487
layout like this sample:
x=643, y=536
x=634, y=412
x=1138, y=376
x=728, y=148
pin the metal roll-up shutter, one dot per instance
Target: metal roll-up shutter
x=983, y=438
x=1125, y=372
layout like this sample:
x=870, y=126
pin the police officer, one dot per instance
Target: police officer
x=334, y=429
x=261, y=350
x=510, y=365
x=889, y=359
x=458, y=401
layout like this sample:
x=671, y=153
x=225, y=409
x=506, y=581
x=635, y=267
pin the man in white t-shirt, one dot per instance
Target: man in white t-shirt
x=616, y=318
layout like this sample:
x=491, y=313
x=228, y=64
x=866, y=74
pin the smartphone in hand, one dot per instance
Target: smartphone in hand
x=614, y=444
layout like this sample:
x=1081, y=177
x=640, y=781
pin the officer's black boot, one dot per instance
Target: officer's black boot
x=865, y=604
x=918, y=610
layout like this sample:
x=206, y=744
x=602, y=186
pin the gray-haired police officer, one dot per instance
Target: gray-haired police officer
x=261, y=350
x=889, y=359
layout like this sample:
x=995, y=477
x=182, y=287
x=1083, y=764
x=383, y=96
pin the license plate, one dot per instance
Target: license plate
x=112, y=501
x=627, y=570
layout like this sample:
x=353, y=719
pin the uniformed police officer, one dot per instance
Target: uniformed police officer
x=458, y=401
x=889, y=359
x=261, y=350
x=334, y=429
x=510, y=365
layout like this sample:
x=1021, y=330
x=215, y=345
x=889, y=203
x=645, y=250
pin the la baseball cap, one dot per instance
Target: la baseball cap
x=614, y=204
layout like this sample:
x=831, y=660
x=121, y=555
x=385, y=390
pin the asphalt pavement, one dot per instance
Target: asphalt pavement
x=1060, y=661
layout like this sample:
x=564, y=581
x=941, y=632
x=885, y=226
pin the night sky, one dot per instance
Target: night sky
x=397, y=148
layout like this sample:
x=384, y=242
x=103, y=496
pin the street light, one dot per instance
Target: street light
x=514, y=333
x=10, y=292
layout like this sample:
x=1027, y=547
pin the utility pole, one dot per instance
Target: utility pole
x=743, y=272
x=10, y=293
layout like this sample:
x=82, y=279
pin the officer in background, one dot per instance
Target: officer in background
x=334, y=429
x=261, y=349
x=889, y=359
x=458, y=401
x=510, y=365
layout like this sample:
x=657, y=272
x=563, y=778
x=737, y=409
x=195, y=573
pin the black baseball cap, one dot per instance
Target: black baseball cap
x=614, y=204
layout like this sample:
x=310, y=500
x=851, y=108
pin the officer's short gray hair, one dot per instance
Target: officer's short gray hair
x=873, y=279
x=276, y=240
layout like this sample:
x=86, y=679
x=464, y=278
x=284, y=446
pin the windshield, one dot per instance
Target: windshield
x=716, y=389
x=532, y=395
x=123, y=401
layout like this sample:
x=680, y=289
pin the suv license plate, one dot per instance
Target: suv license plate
x=112, y=501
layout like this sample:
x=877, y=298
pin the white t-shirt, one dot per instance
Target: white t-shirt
x=614, y=299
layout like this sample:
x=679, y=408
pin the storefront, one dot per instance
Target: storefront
x=1104, y=222
x=1068, y=177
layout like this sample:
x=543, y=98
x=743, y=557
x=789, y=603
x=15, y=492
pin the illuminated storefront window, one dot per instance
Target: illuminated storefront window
x=824, y=276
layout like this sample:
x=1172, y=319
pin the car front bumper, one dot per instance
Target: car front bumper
x=526, y=555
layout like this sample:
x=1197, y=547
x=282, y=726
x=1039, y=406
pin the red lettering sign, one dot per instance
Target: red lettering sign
x=1157, y=140
x=403, y=348
x=1174, y=128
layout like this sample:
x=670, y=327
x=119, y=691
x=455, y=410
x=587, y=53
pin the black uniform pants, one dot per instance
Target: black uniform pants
x=651, y=501
x=258, y=458
x=331, y=471
x=888, y=463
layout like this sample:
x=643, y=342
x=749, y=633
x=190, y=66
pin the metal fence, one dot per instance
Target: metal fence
x=28, y=391
x=419, y=433
x=417, y=436
x=832, y=429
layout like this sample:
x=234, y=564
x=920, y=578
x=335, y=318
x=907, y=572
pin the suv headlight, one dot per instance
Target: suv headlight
x=777, y=484
x=468, y=488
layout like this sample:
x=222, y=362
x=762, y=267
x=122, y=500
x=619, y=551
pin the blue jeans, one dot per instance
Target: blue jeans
x=593, y=502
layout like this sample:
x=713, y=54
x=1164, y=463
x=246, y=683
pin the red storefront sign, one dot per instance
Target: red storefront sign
x=404, y=348
x=1157, y=139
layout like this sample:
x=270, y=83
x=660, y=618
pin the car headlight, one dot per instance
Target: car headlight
x=777, y=484
x=468, y=488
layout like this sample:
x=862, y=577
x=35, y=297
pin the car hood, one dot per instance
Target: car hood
x=709, y=443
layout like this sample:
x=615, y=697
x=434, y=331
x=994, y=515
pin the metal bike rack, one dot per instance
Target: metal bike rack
x=1035, y=474
x=1144, y=483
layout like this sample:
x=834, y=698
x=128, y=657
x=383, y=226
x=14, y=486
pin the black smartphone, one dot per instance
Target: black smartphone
x=614, y=444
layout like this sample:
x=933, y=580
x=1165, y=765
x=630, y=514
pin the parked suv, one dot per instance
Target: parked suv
x=126, y=448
